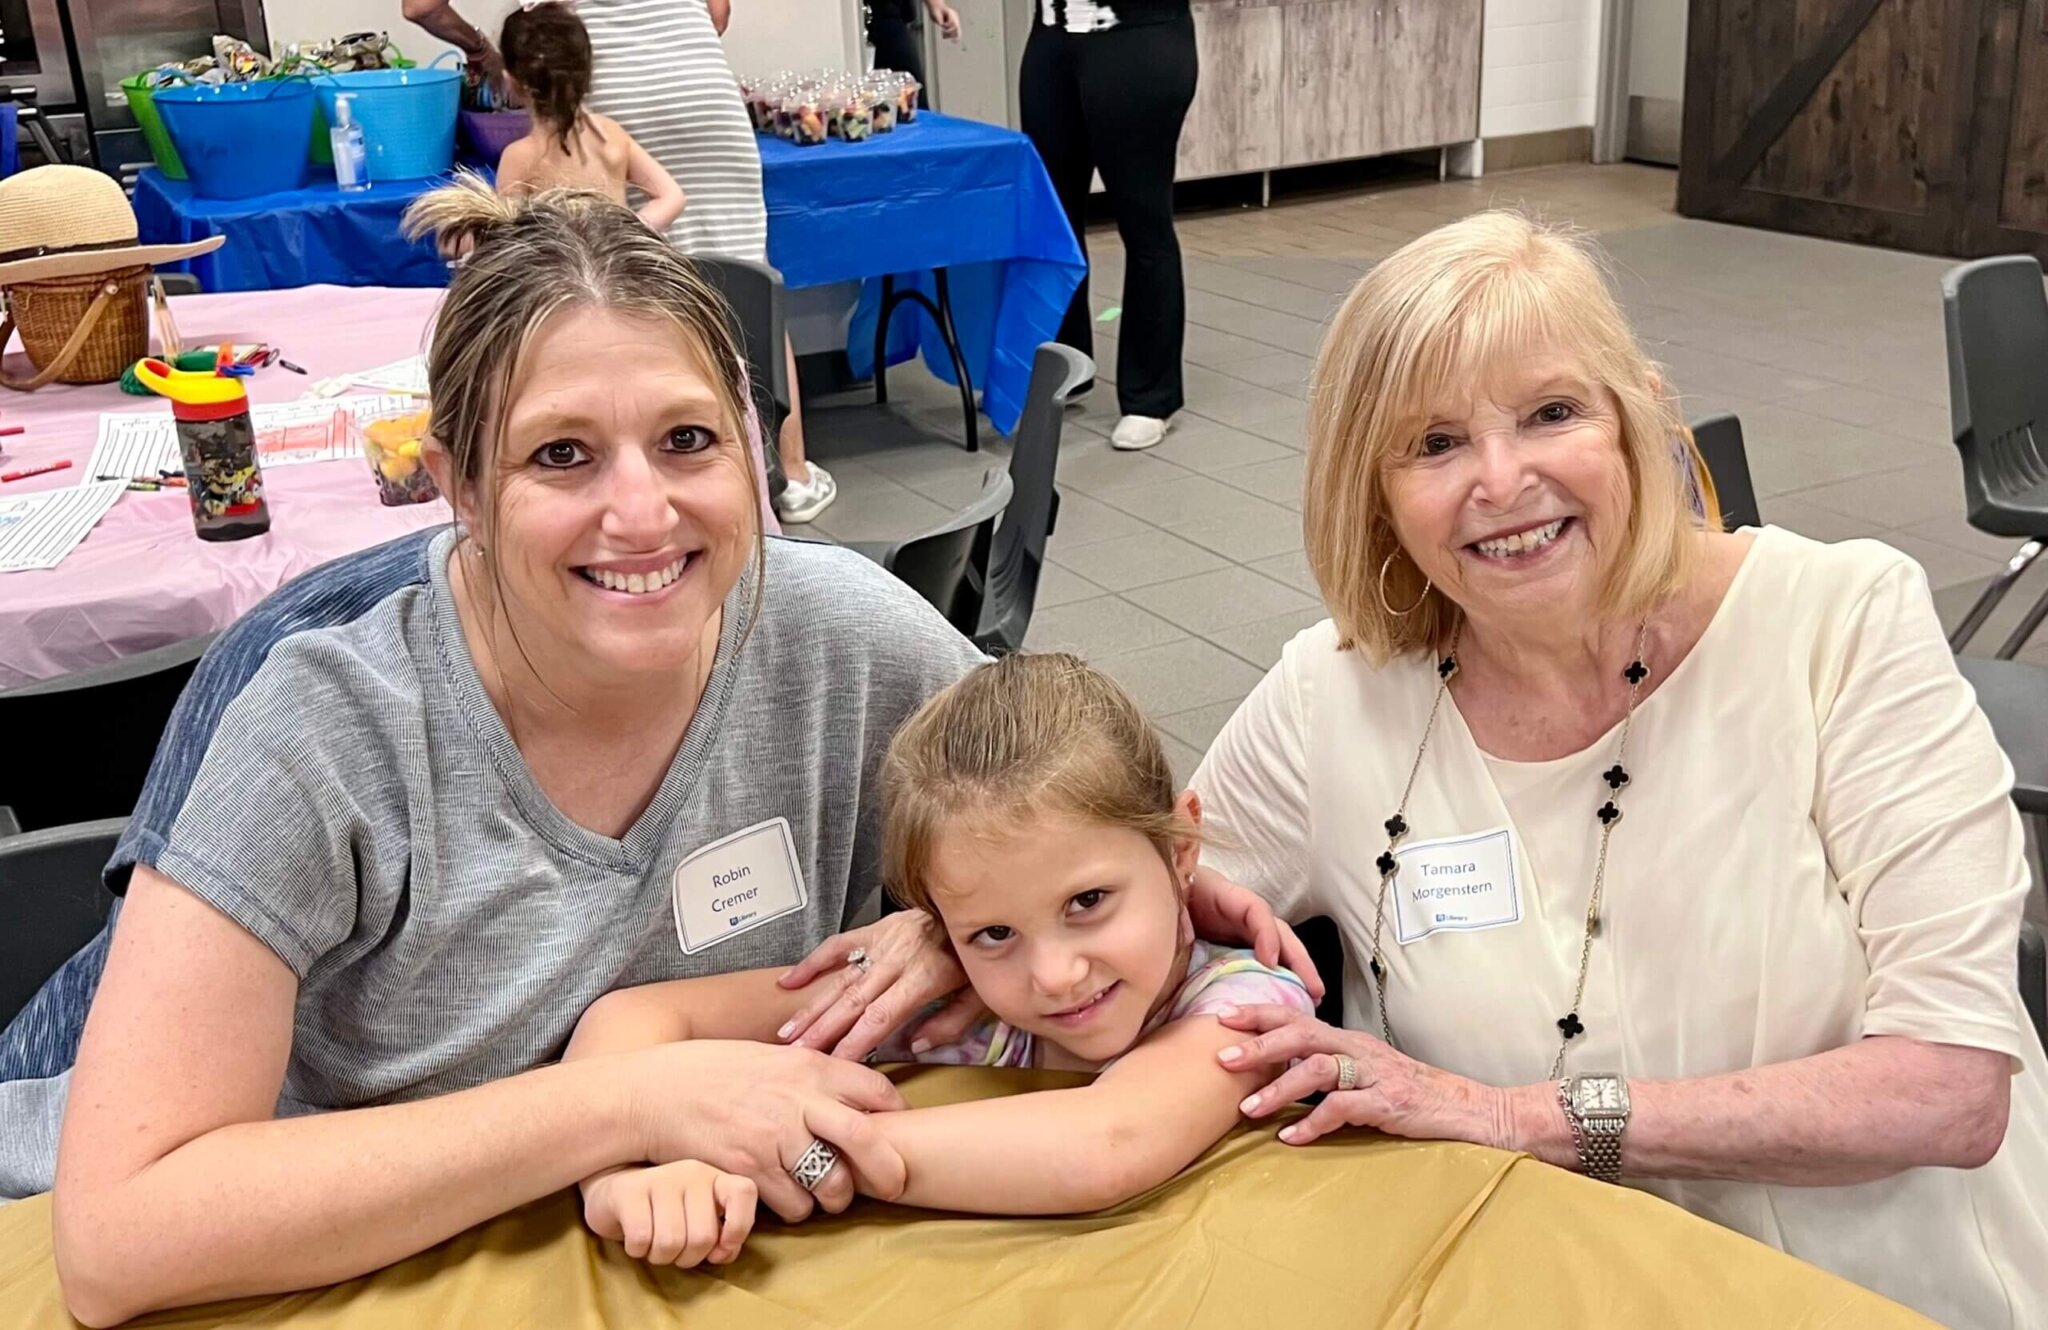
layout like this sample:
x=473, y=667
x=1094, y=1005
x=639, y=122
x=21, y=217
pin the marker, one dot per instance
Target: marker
x=13, y=430
x=36, y=471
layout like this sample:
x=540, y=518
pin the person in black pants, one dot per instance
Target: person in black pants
x=893, y=34
x=1105, y=87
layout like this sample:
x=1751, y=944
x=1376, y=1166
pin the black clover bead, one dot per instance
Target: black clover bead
x=1608, y=813
x=1377, y=973
x=1615, y=776
x=1385, y=863
x=1636, y=672
x=1397, y=825
x=1446, y=667
x=1571, y=1025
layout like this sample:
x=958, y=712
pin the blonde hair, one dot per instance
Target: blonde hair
x=1429, y=320
x=1028, y=734
x=523, y=260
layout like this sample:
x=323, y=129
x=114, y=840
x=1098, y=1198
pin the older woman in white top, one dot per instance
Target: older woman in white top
x=1676, y=856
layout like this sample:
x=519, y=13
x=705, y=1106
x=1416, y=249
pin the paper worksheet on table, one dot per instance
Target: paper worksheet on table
x=142, y=443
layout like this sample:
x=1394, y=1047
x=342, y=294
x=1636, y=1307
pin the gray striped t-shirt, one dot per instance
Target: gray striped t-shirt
x=359, y=807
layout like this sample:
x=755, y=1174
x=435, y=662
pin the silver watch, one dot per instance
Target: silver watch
x=1597, y=1108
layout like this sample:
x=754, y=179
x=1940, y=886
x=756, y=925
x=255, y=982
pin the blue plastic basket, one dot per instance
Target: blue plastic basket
x=407, y=115
x=238, y=140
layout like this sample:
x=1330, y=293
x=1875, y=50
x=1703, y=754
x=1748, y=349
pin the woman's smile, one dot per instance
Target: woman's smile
x=1523, y=546
x=637, y=581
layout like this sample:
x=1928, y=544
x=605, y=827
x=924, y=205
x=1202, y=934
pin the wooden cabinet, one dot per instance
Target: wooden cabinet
x=1290, y=82
x=1235, y=124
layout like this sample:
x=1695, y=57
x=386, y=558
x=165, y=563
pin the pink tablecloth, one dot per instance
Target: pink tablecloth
x=142, y=579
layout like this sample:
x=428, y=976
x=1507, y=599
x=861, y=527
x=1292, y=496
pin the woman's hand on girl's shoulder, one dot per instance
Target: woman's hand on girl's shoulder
x=910, y=965
x=1222, y=911
x=1391, y=1092
x=679, y=1214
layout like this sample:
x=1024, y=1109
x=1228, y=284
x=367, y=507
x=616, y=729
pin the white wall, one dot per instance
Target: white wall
x=764, y=35
x=1541, y=66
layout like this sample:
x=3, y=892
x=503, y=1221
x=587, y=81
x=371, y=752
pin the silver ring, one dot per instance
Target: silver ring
x=1347, y=1072
x=859, y=959
x=818, y=1160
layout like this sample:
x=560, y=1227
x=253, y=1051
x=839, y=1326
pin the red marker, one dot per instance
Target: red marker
x=12, y=430
x=34, y=471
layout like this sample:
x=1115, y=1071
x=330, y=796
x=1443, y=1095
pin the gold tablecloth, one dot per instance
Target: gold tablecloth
x=1357, y=1230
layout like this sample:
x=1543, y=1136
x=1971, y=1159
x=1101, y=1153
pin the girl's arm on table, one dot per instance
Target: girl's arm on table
x=1154, y=1112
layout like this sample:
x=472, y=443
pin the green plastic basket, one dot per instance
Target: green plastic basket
x=142, y=101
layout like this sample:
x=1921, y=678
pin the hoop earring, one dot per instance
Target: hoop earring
x=1382, y=585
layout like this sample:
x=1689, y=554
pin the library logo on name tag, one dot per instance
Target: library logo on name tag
x=737, y=883
x=1464, y=883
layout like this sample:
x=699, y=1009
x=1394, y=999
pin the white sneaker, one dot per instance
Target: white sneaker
x=1135, y=432
x=802, y=501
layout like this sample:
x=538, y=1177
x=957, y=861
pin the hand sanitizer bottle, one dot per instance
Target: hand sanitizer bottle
x=351, y=159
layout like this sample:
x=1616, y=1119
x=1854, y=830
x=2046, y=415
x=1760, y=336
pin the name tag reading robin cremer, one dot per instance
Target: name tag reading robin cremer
x=1463, y=883
x=737, y=883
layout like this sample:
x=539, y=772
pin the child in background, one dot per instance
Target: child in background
x=547, y=57
x=1030, y=810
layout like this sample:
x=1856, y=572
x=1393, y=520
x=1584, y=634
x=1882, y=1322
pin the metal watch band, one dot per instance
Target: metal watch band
x=1600, y=1148
x=1597, y=1140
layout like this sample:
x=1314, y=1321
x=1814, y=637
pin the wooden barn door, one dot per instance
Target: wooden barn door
x=2007, y=185
x=1840, y=118
x=1921, y=124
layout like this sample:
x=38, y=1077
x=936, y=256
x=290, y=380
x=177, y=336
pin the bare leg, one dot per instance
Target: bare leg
x=789, y=444
x=810, y=489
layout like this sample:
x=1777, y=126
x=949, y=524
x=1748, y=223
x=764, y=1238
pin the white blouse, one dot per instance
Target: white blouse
x=1817, y=845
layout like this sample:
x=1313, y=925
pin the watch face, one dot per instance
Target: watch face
x=1601, y=1094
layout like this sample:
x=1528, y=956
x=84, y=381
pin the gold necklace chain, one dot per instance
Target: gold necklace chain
x=1569, y=1025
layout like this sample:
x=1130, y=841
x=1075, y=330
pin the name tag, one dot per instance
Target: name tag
x=737, y=883
x=1464, y=883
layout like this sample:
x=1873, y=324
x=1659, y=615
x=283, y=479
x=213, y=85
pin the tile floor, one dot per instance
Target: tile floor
x=1180, y=570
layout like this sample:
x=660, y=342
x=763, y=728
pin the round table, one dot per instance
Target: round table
x=142, y=579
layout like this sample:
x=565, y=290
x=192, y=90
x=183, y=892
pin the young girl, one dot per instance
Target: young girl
x=547, y=56
x=1029, y=810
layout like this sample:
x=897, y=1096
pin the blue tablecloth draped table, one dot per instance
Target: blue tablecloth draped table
x=940, y=195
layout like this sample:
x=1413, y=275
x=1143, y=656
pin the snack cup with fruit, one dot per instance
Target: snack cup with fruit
x=882, y=95
x=906, y=99
x=806, y=120
x=393, y=447
x=857, y=116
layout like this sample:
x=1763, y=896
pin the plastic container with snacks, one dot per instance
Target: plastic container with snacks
x=806, y=117
x=882, y=97
x=393, y=446
x=856, y=116
x=906, y=99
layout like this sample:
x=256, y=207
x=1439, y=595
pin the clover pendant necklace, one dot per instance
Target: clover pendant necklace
x=1616, y=777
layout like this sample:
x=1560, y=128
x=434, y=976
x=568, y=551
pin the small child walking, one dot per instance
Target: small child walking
x=547, y=57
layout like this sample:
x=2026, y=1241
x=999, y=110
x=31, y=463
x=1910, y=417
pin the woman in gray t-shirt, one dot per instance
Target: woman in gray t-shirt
x=423, y=806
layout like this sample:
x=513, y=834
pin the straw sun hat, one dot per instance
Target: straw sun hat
x=72, y=221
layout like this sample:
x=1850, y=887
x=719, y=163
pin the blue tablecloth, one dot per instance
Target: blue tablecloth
x=938, y=193
x=314, y=234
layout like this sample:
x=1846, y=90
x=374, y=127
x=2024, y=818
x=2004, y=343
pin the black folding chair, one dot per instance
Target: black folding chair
x=1996, y=317
x=1719, y=439
x=754, y=293
x=108, y=720
x=51, y=903
x=948, y=565
x=1034, y=509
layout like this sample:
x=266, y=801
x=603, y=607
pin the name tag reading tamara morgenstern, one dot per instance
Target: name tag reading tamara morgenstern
x=1462, y=882
x=736, y=884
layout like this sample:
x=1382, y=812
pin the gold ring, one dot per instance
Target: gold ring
x=1347, y=1072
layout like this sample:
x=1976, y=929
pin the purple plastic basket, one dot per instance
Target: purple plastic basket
x=489, y=133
